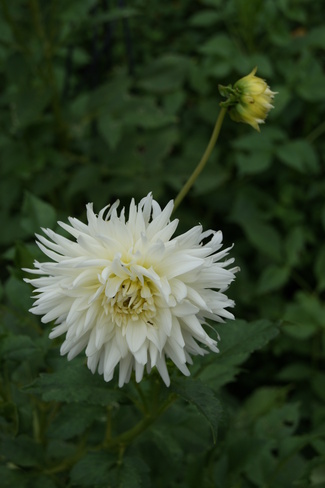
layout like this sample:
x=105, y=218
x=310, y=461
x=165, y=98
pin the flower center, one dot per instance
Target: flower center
x=133, y=300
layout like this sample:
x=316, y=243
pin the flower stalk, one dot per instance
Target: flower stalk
x=204, y=159
x=248, y=101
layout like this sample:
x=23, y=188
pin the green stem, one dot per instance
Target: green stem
x=314, y=134
x=127, y=437
x=204, y=159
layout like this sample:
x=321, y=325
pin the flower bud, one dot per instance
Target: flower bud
x=249, y=100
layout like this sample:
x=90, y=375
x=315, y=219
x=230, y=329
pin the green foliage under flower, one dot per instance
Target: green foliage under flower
x=99, y=102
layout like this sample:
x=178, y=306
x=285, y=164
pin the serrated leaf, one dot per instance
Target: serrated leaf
x=58, y=450
x=93, y=470
x=133, y=473
x=73, y=419
x=21, y=450
x=217, y=375
x=204, y=399
x=238, y=338
x=166, y=443
x=75, y=384
x=17, y=347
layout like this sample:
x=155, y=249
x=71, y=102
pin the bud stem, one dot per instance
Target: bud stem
x=204, y=159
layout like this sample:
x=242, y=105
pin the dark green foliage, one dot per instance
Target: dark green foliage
x=77, y=384
x=103, y=100
x=203, y=398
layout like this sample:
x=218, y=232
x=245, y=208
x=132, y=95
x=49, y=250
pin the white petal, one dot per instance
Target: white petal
x=162, y=369
x=138, y=372
x=125, y=370
x=136, y=334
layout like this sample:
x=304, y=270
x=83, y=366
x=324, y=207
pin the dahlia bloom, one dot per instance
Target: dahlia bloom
x=130, y=294
x=249, y=100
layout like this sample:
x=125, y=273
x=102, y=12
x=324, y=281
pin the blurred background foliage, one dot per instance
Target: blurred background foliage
x=102, y=100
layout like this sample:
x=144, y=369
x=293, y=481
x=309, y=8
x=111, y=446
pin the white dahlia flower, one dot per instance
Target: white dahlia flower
x=130, y=294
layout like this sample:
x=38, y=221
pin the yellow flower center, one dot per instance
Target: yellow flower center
x=133, y=300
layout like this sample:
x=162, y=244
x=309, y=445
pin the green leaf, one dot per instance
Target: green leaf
x=265, y=237
x=197, y=393
x=317, y=382
x=36, y=214
x=13, y=477
x=9, y=418
x=299, y=330
x=17, y=347
x=319, y=269
x=164, y=74
x=205, y=18
x=75, y=383
x=114, y=14
x=18, y=293
x=133, y=473
x=147, y=115
x=272, y=278
x=264, y=400
x=217, y=375
x=111, y=129
x=220, y=45
x=297, y=371
x=22, y=451
x=317, y=476
x=253, y=163
x=238, y=339
x=316, y=37
x=304, y=317
x=41, y=481
x=94, y=470
x=30, y=103
x=294, y=245
x=279, y=422
x=59, y=450
x=299, y=155
x=73, y=419
x=247, y=212
x=311, y=88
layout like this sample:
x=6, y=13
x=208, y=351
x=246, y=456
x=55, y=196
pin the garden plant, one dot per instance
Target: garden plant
x=162, y=244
